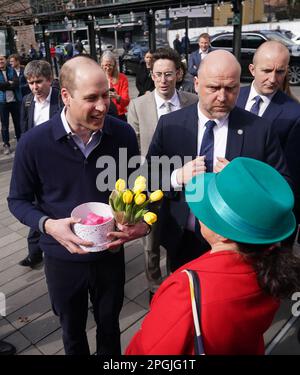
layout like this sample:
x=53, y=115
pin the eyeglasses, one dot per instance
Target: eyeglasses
x=107, y=66
x=168, y=75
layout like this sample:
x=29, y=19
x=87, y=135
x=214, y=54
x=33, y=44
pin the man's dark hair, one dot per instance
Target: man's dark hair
x=166, y=54
x=15, y=56
x=204, y=36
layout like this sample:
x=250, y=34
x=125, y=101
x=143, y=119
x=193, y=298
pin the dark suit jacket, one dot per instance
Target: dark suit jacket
x=284, y=114
x=27, y=109
x=176, y=134
x=195, y=60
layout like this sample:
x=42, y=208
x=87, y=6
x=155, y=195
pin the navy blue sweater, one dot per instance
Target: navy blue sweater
x=50, y=168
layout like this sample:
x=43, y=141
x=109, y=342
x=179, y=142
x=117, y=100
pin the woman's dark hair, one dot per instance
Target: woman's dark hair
x=166, y=54
x=277, y=268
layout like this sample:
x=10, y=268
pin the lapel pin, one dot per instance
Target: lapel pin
x=240, y=132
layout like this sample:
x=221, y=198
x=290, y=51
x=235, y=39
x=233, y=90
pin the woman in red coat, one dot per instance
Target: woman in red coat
x=118, y=83
x=244, y=211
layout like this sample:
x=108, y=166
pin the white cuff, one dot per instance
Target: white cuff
x=174, y=182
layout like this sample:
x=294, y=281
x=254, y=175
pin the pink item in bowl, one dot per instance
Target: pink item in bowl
x=96, y=221
x=93, y=219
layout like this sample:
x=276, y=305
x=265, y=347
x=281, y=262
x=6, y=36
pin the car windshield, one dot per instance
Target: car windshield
x=280, y=38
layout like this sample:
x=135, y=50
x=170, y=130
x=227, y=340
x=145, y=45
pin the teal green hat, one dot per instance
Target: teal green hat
x=248, y=201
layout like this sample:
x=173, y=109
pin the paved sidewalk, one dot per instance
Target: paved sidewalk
x=32, y=327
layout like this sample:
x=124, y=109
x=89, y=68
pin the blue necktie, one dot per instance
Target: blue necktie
x=207, y=149
x=255, y=108
x=207, y=145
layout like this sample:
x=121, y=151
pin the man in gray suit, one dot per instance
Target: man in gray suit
x=143, y=115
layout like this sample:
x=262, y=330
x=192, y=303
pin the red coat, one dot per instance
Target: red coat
x=235, y=312
x=121, y=88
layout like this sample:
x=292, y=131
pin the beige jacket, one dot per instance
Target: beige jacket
x=142, y=116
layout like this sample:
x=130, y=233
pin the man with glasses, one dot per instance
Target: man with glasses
x=143, y=114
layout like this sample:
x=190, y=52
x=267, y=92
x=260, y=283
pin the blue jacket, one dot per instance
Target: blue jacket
x=4, y=85
x=49, y=166
x=284, y=114
x=194, y=62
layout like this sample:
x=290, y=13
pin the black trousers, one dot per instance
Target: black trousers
x=71, y=283
x=12, y=108
x=33, y=239
x=189, y=248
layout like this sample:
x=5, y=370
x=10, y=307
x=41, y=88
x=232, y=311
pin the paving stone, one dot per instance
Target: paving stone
x=23, y=231
x=143, y=299
x=5, y=214
x=17, y=226
x=9, y=220
x=41, y=327
x=136, y=286
x=25, y=296
x=9, y=238
x=31, y=350
x=129, y=333
x=130, y=314
x=30, y=312
x=4, y=231
x=282, y=315
x=135, y=267
x=52, y=343
x=12, y=248
x=12, y=259
x=12, y=273
x=133, y=250
x=5, y=328
x=289, y=344
x=29, y=278
x=91, y=336
x=19, y=341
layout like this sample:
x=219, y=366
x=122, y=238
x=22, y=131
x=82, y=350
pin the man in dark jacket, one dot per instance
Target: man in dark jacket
x=56, y=164
x=9, y=98
x=37, y=107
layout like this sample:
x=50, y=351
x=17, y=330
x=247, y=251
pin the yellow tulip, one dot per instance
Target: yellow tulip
x=120, y=185
x=127, y=197
x=139, y=199
x=139, y=184
x=150, y=217
x=156, y=196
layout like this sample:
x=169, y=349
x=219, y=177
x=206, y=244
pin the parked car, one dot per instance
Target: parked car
x=132, y=59
x=296, y=39
x=250, y=41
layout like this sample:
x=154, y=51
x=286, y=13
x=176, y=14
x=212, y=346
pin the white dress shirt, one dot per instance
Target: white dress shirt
x=220, y=140
x=160, y=104
x=203, y=54
x=263, y=105
x=42, y=110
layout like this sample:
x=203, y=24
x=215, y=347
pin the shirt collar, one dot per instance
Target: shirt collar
x=47, y=100
x=265, y=98
x=67, y=126
x=202, y=119
x=160, y=102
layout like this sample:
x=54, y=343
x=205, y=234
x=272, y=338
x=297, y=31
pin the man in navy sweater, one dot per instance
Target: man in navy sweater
x=58, y=164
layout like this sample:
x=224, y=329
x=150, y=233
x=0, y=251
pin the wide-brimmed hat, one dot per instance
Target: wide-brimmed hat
x=248, y=201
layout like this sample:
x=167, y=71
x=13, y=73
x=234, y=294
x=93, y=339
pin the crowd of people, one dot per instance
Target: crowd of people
x=231, y=213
